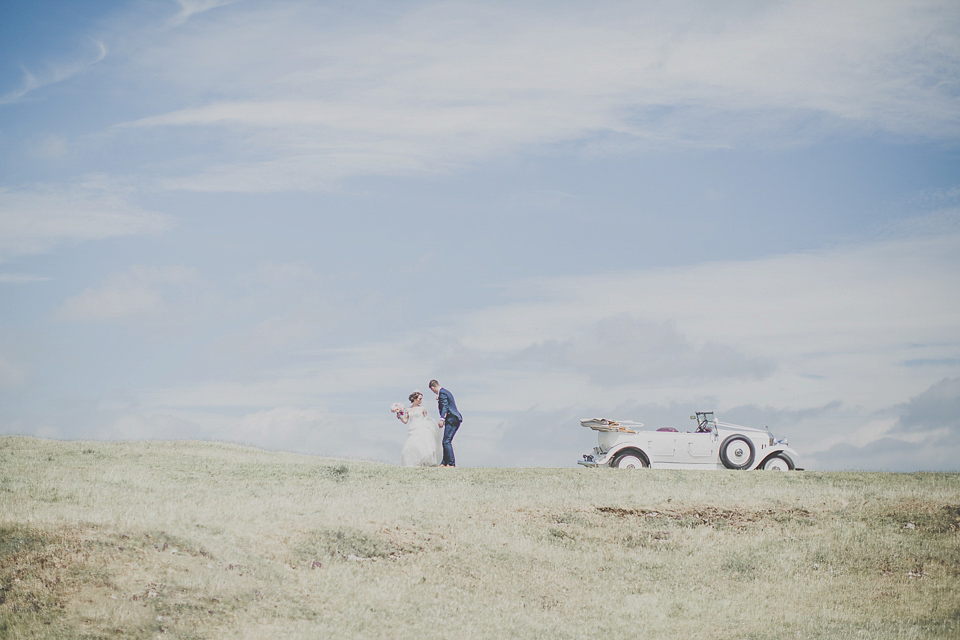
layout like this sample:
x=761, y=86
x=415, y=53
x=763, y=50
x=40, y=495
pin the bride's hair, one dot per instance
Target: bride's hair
x=413, y=396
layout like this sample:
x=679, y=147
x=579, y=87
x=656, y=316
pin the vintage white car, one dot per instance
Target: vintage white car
x=713, y=445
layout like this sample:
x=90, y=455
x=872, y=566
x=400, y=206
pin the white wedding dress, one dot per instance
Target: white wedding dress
x=423, y=447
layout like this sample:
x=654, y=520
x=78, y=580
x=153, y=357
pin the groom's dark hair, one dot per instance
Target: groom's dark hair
x=434, y=383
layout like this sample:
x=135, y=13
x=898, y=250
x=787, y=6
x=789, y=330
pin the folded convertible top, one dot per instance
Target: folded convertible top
x=603, y=424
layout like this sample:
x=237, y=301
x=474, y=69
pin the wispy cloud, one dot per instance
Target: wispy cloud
x=190, y=8
x=57, y=72
x=20, y=278
x=303, y=101
x=39, y=219
x=811, y=344
x=137, y=294
x=621, y=350
x=936, y=408
x=9, y=373
x=829, y=345
x=286, y=428
x=920, y=434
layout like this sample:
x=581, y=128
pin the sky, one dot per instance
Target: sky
x=265, y=222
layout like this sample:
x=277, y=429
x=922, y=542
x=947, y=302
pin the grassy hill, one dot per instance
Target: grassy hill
x=201, y=540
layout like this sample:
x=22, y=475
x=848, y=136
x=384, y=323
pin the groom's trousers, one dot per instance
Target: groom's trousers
x=450, y=426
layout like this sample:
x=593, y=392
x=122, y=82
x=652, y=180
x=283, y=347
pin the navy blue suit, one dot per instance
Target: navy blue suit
x=451, y=422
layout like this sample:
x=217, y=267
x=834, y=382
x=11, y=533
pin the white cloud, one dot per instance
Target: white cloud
x=40, y=219
x=190, y=8
x=936, y=408
x=20, y=278
x=49, y=148
x=9, y=373
x=283, y=274
x=54, y=73
x=17, y=356
x=302, y=96
x=620, y=350
x=285, y=428
x=136, y=294
x=112, y=303
x=823, y=347
x=828, y=321
x=288, y=307
x=924, y=436
x=343, y=372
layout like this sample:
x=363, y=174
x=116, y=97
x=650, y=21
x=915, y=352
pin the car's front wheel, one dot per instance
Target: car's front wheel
x=737, y=452
x=777, y=463
x=629, y=460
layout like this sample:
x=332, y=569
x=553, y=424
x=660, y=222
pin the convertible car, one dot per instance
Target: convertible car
x=713, y=445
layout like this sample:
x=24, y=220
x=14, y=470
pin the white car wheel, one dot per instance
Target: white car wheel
x=736, y=452
x=629, y=461
x=776, y=463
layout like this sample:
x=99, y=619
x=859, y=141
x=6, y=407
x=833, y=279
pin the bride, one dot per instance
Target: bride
x=423, y=445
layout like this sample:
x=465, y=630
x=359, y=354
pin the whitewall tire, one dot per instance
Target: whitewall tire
x=629, y=460
x=737, y=452
x=777, y=463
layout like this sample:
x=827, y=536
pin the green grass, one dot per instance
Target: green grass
x=201, y=540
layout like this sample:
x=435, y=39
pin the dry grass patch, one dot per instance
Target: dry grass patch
x=201, y=540
x=83, y=582
x=344, y=543
x=705, y=515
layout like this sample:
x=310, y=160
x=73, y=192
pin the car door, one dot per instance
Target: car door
x=701, y=447
x=661, y=446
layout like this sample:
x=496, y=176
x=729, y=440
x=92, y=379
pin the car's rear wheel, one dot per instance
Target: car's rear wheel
x=629, y=460
x=777, y=463
x=736, y=452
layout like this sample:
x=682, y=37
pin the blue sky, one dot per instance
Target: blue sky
x=264, y=222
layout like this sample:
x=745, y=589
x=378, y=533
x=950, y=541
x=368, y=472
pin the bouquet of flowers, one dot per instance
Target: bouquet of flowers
x=398, y=409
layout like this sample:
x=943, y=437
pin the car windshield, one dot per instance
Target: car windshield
x=706, y=421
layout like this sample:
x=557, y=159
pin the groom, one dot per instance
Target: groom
x=450, y=420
